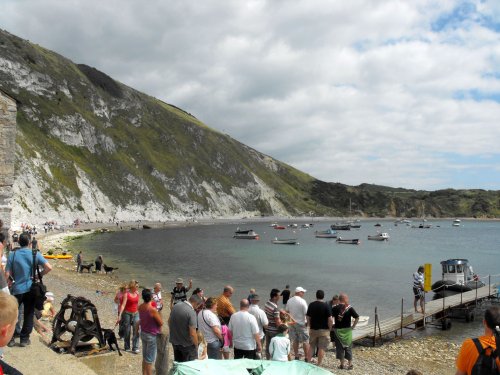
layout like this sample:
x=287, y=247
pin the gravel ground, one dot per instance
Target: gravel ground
x=431, y=355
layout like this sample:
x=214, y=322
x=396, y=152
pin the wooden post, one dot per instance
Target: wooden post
x=402, y=311
x=162, y=344
x=375, y=327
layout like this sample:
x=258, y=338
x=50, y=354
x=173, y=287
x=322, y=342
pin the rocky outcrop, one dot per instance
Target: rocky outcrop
x=8, y=111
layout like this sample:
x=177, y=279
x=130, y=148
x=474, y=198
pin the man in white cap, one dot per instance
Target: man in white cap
x=179, y=293
x=297, y=307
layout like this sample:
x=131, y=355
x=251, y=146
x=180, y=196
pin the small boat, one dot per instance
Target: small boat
x=246, y=235
x=362, y=322
x=379, y=237
x=306, y=225
x=378, y=225
x=293, y=226
x=57, y=256
x=329, y=233
x=457, y=277
x=288, y=241
x=341, y=226
x=146, y=226
x=456, y=223
x=279, y=227
x=350, y=241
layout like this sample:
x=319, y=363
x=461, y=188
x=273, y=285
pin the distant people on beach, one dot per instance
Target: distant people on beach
x=343, y=314
x=483, y=347
x=285, y=294
x=150, y=322
x=128, y=316
x=224, y=306
x=19, y=271
x=98, y=264
x=157, y=297
x=79, y=261
x=418, y=289
x=179, y=293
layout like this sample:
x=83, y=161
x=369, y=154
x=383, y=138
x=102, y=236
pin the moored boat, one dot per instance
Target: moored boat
x=362, y=321
x=341, y=226
x=457, y=276
x=379, y=237
x=349, y=241
x=246, y=235
x=279, y=227
x=456, y=223
x=329, y=233
x=285, y=241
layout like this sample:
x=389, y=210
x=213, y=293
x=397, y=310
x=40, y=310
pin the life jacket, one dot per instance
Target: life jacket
x=486, y=362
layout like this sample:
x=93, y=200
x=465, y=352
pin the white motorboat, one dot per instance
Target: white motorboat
x=246, y=235
x=456, y=223
x=286, y=241
x=379, y=237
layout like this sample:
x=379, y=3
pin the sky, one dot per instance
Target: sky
x=391, y=92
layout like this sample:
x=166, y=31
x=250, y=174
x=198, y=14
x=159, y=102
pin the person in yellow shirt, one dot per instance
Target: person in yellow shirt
x=469, y=353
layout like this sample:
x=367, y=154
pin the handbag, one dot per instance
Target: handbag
x=221, y=340
x=38, y=289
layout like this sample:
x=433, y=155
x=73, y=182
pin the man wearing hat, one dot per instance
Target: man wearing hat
x=297, y=307
x=260, y=315
x=179, y=293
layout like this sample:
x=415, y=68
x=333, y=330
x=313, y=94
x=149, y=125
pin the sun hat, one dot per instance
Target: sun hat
x=179, y=281
x=49, y=296
x=300, y=289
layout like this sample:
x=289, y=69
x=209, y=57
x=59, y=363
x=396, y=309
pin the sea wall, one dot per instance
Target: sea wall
x=8, y=112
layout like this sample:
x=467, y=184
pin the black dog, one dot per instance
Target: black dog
x=109, y=269
x=87, y=267
x=110, y=339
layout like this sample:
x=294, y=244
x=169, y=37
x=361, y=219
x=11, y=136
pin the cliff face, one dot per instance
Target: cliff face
x=91, y=148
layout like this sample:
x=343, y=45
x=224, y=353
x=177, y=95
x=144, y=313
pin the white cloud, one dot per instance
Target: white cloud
x=360, y=91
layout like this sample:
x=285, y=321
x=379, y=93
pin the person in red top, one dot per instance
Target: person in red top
x=469, y=354
x=129, y=316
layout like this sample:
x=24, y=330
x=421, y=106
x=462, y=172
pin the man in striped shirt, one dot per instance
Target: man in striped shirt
x=273, y=317
x=418, y=288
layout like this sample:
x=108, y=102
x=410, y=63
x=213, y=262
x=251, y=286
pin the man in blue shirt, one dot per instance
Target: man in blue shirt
x=20, y=270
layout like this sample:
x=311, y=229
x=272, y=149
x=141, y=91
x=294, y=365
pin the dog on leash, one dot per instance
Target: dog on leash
x=110, y=339
x=108, y=269
x=87, y=267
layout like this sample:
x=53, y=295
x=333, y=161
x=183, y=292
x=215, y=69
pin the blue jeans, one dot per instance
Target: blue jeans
x=213, y=350
x=129, y=322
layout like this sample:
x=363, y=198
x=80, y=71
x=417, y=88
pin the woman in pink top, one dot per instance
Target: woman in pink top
x=129, y=316
x=151, y=322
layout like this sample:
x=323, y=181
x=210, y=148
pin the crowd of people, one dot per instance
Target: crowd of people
x=212, y=328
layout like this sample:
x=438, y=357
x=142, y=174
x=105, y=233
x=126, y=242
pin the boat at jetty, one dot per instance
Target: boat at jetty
x=329, y=233
x=379, y=237
x=57, y=256
x=362, y=321
x=287, y=241
x=246, y=235
x=457, y=277
x=349, y=241
x=456, y=223
x=341, y=226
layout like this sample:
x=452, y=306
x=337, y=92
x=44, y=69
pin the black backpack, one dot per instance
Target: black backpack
x=486, y=363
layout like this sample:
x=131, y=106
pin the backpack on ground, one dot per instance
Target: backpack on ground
x=486, y=362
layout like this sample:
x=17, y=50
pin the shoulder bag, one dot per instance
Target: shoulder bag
x=37, y=289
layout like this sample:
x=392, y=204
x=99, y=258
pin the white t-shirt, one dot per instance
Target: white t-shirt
x=206, y=327
x=261, y=317
x=297, y=307
x=279, y=348
x=243, y=327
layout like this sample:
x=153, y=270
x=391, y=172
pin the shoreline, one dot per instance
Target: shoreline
x=432, y=355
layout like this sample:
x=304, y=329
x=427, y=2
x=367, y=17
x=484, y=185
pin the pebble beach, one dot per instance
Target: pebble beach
x=432, y=355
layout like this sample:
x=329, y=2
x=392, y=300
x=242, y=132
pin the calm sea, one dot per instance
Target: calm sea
x=373, y=273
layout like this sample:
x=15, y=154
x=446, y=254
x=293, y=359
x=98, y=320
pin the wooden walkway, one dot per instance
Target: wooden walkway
x=433, y=309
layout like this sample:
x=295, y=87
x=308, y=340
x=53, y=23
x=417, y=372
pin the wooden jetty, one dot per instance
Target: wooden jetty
x=439, y=310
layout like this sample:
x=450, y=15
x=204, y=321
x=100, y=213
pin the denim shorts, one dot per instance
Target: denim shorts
x=148, y=347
